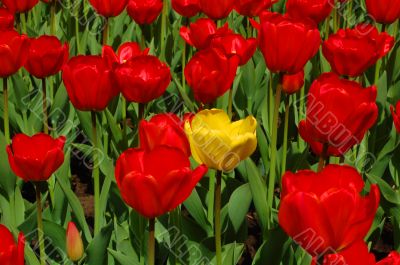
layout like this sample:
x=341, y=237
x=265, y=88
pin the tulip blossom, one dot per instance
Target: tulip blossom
x=317, y=10
x=125, y=52
x=210, y=73
x=350, y=52
x=142, y=78
x=35, y=158
x=74, y=243
x=19, y=6
x=287, y=43
x=392, y=259
x=163, y=129
x=324, y=211
x=219, y=143
x=11, y=253
x=109, y=8
x=6, y=19
x=292, y=83
x=157, y=181
x=144, y=11
x=199, y=32
x=396, y=115
x=383, y=11
x=46, y=56
x=186, y=8
x=88, y=83
x=13, y=50
x=217, y=10
x=340, y=126
x=251, y=8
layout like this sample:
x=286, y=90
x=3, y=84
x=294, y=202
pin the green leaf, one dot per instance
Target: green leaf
x=238, y=205
x=97, y=249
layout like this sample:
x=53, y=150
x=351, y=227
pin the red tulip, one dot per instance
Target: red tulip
x=324, y=212
x=13, y=51
x=74, y=244
x=396, y=116
x=19, y=6
x=143, y=78
x=317, y=10
x=199, y=33
x=126, y=51
x=156, y=182
x=186, y=8
x=210, y=73
x=355, y=254
x=251, y=8
x=392, y=259
x=11, y=253
x=287, y=43
x=383, y=11
x=144, y=11
x=163, y=129
x=46, y=56
x=88, y=83
x=35, y=158
x=292, y=83
x=343, y=125
x=6, y=19
x=109, y=8
x=351, y=52
x=218, y=10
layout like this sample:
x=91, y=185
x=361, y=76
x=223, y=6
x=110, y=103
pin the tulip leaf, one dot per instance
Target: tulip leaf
x=97, y=249
x=239, y=204
x=390, y=194
x=195, y=207
x=121, y=258
x=272, y=249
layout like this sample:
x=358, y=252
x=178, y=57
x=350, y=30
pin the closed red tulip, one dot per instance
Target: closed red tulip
x=356, y=254
x=35, y=158
x=88, y=83
x=343, y=125
x=350, y=52
x=186, y=8
x=6, y=19
x=144, y=11
x=292, y=83
x=199, y=33
x=163, y=129
x=396, y=116
x=392, y=259
x=210, y=73
x=19, y=6
x=13, y=51
x=218, y=10
x=109, y=8
x=251, y=8
x=324, y=212
x=156, y=182
x=11, y=253
x=46, y=56
x=126, y=51
x=143, y=78
x=383, y=11
x=317, y=10
x=287, y=43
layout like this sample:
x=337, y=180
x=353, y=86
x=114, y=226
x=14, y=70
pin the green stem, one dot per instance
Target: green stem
x=152, y=243
x=285, y=134
x=96, y=176
x=327, y=27
x=271, y=101
x=40, y=225
x=335, y=19
x=124, y=114
x=217, y=218
x=272, y=169
x=323, y=156
x=44, y=99
x=6, y=118
x=142, y=110
x=105, y=31
x=23, y=23
x=78, y=45
x=184, y=65
x=230, y=102
x=176, y=221
x=163, y=29
x=53, y=17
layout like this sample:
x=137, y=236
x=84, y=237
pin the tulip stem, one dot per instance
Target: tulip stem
x=45, y=116
x=124, y=124
x=271, y=102
x=163, y=29
x=285, y=134
x=142, y=109
x=230, y=102
x=96, y=176
x=217, y=218
x=23, y=23
x=184, y=65
x=272, y=169
x=78, y=45
x=327, y=27
x=323, y=156
x=6, y=118
x=53, y=17
x=40, y=225
x=105, y=31
x=152, y=243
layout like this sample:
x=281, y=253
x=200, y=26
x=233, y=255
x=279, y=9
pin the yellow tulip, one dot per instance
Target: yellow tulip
x=219, y=143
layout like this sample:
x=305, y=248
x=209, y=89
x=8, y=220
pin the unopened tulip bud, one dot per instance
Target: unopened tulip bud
x=74, y=243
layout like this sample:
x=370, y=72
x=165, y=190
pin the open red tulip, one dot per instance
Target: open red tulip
x=11, y=253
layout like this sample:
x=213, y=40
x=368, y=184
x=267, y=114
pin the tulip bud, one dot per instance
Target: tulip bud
x=292, y=83
x=74, y=243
